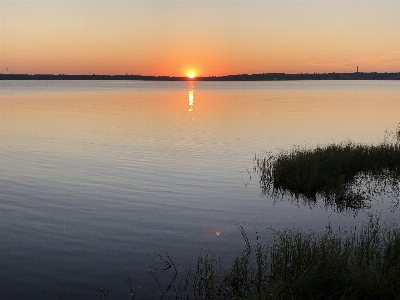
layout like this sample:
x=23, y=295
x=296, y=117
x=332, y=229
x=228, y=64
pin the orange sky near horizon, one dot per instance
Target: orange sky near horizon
x=204, y=37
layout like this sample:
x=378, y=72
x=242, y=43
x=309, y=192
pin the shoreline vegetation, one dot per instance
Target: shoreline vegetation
x=362, y=263
x=344, y=176
x=235, y=77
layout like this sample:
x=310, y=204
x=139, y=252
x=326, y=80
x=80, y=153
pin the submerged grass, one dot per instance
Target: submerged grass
x=361, y=264
x=333, y=171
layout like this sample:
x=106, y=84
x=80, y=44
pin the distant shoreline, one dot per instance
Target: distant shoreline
x=237, y=77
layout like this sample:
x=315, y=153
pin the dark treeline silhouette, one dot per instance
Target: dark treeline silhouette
x=237, y=77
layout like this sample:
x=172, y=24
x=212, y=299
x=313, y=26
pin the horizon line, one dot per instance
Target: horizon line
x=205, y=76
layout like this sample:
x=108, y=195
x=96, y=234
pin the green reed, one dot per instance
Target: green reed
x=343, y=174
x=364, y=264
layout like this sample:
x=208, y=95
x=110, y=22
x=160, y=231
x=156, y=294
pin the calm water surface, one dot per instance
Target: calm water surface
x=97, y=176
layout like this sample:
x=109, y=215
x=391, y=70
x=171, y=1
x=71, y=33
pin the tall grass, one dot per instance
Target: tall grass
x=343, y=174
x=361, y=264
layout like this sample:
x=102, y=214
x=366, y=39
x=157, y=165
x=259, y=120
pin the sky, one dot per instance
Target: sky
x=208, y=38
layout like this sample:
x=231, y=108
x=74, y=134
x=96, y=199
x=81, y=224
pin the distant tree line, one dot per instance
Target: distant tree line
x=238, y=77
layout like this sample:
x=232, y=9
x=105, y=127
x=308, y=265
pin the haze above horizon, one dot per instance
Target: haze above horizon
x=207, y=38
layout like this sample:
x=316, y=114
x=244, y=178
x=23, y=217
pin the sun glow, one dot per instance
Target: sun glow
x=191, y=75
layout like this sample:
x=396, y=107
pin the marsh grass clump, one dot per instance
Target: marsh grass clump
x=343, y=174
x=362, y=263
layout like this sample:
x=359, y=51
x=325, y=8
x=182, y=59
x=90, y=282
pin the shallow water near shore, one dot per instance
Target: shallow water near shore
x=97, y=175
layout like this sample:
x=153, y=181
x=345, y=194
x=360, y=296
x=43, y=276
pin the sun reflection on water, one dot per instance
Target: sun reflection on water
x=191, y=100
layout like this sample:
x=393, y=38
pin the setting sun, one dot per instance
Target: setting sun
x=191, y=75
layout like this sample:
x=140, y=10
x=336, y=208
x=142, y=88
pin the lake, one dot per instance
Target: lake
x=97, y=176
